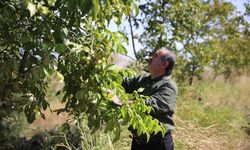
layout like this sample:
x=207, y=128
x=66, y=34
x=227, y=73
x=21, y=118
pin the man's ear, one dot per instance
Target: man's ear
x=165, y=65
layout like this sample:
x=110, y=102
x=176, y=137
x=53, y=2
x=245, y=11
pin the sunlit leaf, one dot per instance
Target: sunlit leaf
x=32, y=8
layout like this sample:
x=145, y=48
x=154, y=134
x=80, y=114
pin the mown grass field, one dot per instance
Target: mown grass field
x=211, y=114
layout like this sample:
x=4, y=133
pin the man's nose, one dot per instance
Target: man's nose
x=148, y=59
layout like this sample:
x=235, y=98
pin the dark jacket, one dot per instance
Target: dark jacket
x=162, y=92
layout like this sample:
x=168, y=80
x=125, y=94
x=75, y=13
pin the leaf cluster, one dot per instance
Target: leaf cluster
x=68, y=38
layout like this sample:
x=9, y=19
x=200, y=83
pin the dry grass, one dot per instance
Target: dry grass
x=211, y=115
x=188, y=135
x=219, y=92
x=194, y=137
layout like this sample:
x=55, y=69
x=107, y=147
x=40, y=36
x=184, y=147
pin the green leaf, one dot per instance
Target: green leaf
x=57, y=3
x=110, y=125
x=72, y=5
x=60, y=76
x=139, y=131
x=25, y=39
x=112, y=68
x=97, y=78
x=117, y=134
x=44, y=10
x=85, y=6
x=148, y=136
x=45, y=104
x=31, y=117
x=109, y=7
x=140, y=90
x=136, y=9
x=96, y=7
x=32, y=8
x=52, y=2
x=60, y=48
x=29, y=45
x=127, y=10
x=119, y=79
x=125, y=118
x=123, y=36
x=123, y=112
x=80, y=95
x=46, y=72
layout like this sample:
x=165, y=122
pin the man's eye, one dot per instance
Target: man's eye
x=156, y=54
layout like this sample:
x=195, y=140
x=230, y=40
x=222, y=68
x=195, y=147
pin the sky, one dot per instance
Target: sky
x=239, y=4
x=113, y=27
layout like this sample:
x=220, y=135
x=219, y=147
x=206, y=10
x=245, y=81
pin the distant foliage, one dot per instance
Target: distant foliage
x=202, y=33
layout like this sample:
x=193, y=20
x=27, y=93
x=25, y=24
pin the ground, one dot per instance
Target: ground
x=194, y=137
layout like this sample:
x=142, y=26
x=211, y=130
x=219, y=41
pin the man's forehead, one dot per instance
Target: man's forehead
x=162, y=52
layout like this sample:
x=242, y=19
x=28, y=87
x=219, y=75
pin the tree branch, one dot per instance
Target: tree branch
x=23, y=62
x=132, y=36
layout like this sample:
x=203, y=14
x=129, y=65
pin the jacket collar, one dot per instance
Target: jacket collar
x=159, y=78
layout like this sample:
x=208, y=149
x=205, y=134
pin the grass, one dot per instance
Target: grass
x=226, y=93
x=226, y=117
x=212, y=114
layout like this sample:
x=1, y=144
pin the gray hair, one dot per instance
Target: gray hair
x=171, y=59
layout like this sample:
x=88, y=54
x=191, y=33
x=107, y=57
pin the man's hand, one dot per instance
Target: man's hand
x=130, y=101
x=114, y=98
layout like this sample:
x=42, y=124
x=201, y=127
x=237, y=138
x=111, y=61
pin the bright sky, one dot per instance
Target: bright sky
x=113, y=27
x=239, y=4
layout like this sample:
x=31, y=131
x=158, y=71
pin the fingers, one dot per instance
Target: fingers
x=117, y=101
x=130, y=101
x=109, y=91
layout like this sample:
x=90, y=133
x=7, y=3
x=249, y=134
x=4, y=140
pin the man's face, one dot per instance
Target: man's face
x=154, y=63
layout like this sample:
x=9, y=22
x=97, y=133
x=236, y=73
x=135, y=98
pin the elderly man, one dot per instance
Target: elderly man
x=162, y=93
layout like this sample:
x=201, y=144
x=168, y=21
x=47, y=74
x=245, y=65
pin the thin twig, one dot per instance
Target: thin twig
x=132, y=36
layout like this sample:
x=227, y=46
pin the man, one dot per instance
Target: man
x=162, y=92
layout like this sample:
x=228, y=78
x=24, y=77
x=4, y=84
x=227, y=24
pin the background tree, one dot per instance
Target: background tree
x=231, y=45
x=187, y=26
